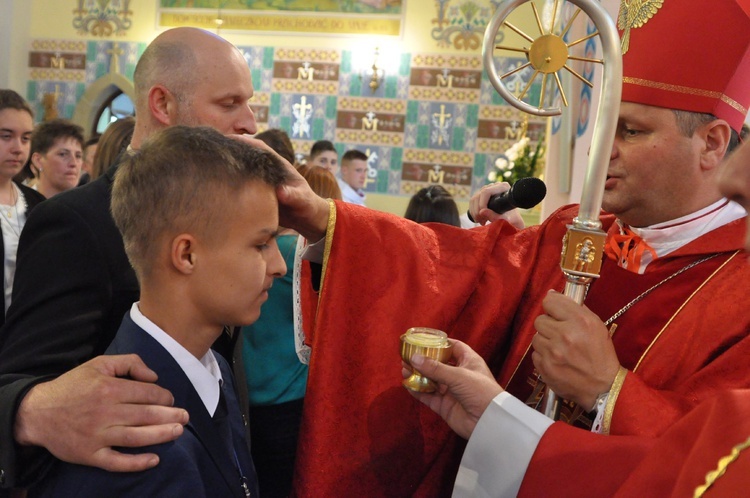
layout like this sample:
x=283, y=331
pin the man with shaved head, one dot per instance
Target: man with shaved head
x=74, y=284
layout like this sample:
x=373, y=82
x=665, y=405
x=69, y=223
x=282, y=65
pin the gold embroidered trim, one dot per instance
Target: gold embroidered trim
x=614, y=392
x=518, y=366
x=635, y=16
x=686, y=90
x=681, y=307
x=721, y=468
x=329, y=241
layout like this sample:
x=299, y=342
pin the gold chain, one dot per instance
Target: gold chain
x=653, y=287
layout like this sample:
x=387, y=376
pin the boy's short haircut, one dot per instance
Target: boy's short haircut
x=321, y=146
x=10, y=99
x=47, y=133
x=173, y=183
x=354, y=154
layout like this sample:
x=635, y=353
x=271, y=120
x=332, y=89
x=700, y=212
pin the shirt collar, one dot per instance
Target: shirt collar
x=204, y=374
x=345, y=186
x=665, y=238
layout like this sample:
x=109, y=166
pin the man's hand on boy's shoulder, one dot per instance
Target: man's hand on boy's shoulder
x=109, y=401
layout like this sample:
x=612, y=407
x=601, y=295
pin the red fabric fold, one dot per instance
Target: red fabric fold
x=627, y=466
x=364, y=435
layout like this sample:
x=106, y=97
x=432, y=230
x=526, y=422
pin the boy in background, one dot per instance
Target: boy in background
x=323, y=154
x=353, y=176
x=199, y=219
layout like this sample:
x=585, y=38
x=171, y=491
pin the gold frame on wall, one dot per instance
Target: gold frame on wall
x=357, y=17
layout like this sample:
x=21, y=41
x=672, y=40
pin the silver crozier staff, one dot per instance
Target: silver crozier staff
x=583, y=244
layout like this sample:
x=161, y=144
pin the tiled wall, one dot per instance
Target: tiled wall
x=436, y=119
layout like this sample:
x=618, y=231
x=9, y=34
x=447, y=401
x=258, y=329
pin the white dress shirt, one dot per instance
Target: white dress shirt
x=12, y=220
x=351, y=195
x=204, y=374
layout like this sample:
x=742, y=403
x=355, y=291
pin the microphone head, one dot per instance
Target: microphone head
x=528, y=192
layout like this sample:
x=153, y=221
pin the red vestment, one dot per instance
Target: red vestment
x=363, y=435
x=674, y=464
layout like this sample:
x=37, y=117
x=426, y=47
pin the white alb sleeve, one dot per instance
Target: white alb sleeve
x=500, y=449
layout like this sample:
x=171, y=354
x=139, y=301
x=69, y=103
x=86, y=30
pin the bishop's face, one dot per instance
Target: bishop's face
x=654, y=168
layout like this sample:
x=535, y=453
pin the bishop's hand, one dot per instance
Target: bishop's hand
x=482, y=214
x=464, y=390
x=573, y=352
x=300, y=208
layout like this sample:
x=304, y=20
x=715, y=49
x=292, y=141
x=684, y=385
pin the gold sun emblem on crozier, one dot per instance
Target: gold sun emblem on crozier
x=548, y=54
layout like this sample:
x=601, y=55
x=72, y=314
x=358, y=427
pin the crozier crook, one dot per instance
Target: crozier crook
x=583, y=244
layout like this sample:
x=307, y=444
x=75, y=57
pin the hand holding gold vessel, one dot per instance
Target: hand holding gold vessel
x=427, y=342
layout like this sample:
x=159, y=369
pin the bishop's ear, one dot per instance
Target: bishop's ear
x=717, y=135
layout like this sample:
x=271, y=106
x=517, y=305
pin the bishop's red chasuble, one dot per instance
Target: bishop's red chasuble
x=363, y=435
x=707, y=450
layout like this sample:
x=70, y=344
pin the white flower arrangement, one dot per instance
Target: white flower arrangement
x=519, y=161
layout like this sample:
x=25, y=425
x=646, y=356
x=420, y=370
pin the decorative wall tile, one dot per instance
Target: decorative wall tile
x=102, y=17
x=434, y=119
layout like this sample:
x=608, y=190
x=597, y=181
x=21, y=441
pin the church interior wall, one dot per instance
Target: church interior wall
x=434, y=118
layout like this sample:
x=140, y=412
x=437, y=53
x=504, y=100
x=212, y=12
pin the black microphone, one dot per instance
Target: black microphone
x=525, y=193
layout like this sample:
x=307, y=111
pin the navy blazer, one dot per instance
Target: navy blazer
x=199, y=463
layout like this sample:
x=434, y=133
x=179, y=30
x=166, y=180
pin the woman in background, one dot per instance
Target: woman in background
x=319, y=179
x=56, y=156
x=16, y=200
x=89, y=152
x=433, y=204
x=280, y=142
x=112, y=143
